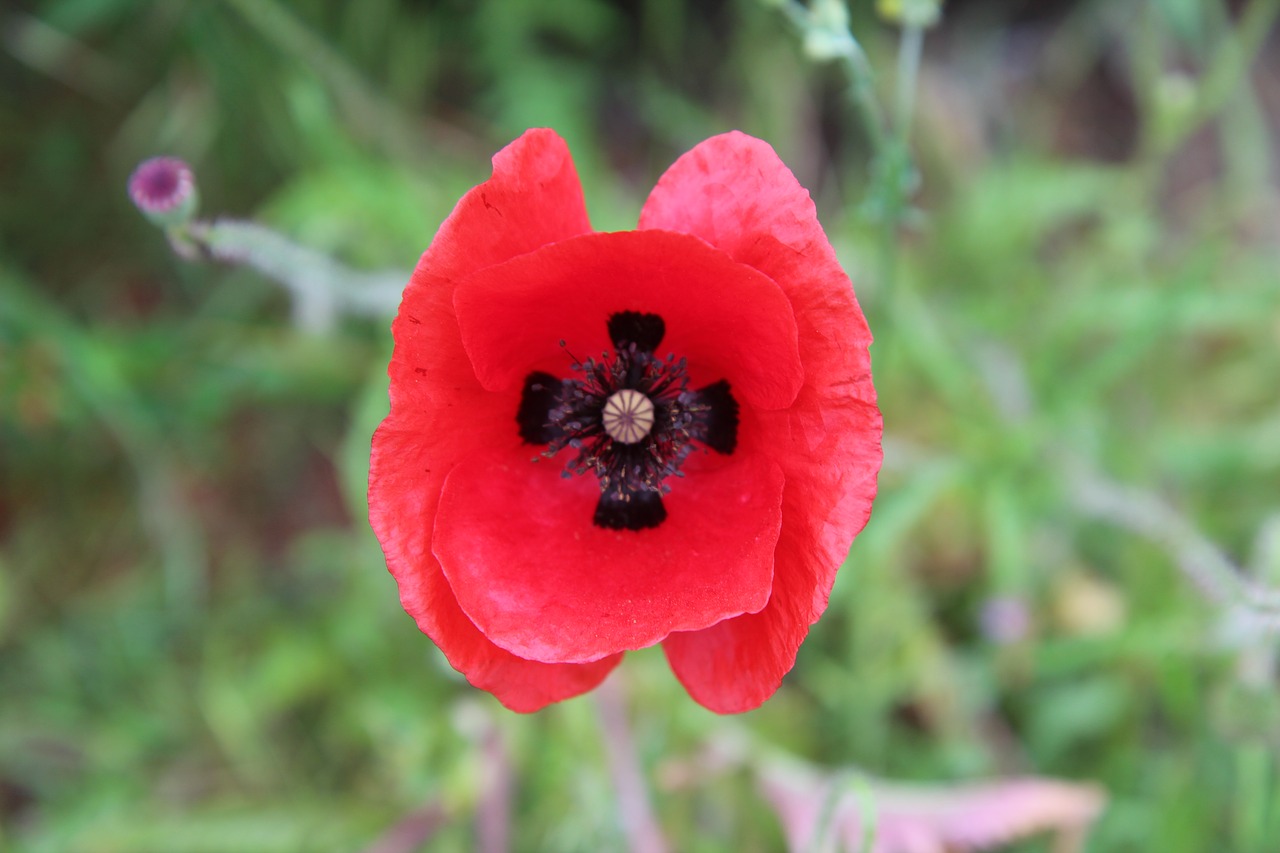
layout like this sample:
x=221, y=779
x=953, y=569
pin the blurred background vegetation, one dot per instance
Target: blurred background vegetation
x=1078, y=356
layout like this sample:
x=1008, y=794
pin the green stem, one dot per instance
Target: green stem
x=1220, y=82
x=864, y=99
x=897, y=171
x=91, y=372
x=861, y=77
x=278, y=25
x=1253, y=798
x=847, y=782
x=1231, y=63
x=910, y=47
x=892, y=172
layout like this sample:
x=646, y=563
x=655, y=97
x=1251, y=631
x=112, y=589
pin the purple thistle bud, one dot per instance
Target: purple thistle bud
x=164, y=189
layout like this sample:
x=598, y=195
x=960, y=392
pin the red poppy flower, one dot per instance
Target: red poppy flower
x=602, y=441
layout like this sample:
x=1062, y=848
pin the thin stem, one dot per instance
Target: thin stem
x=638, y=823
x=797, y=14
x=839, y=786
x=910, y=48
x=892, y=170
x=1254, y=774
x=371, y=114
x=898, y=174
x=321, y=289
x=493, y=814
x=1208, y=568
x=1227, y=71
x=861, y=78
x=1232, y=61
x=864, y=99
x=1143, y=513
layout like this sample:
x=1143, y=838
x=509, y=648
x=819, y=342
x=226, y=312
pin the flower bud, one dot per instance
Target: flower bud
x=917, y=13
x=827, y=36
x=164, y=189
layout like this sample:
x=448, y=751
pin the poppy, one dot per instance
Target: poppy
x=602, y=441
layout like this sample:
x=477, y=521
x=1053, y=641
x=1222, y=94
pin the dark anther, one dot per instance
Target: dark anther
x=718, y=426
x=541, y=394
x=632, y=510
x=629, y=419
x=631, y=327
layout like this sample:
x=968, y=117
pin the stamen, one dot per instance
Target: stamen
x=630, y=420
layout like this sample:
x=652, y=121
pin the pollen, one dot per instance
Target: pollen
x=627, y=416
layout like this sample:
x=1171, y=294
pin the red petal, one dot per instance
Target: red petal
x=534, y=198
x=726, y=318
x=517, y=544
x=734, y=192
x=400, y=511
x=439, y=413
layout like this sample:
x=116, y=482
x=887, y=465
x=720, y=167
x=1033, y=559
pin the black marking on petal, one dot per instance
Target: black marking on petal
x=716, y=425
x=629, y=419
x=621, y=509
x=631, y=327
x=540, y=395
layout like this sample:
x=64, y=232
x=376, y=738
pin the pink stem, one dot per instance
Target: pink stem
x=638, y=823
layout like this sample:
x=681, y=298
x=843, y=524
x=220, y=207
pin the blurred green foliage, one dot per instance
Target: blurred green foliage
x=200, y=649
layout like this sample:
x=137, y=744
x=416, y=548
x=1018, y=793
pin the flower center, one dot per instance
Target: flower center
x=631, y=419
x=627, y=416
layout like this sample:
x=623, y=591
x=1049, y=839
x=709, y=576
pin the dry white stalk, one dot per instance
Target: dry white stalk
x=899, y=818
